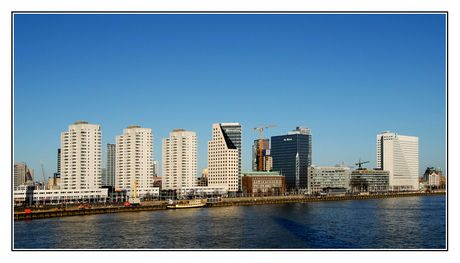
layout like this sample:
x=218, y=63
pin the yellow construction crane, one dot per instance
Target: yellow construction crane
x=260, y=143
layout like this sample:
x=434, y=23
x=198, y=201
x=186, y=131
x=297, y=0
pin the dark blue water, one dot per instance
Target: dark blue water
x=388, y=223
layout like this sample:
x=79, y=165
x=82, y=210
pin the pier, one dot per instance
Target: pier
x=302, y=198
x=161, y=205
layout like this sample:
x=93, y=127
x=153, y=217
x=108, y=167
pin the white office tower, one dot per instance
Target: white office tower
x=179, y=160
x=134, y=161
x=223, y=158
x=398, y=154
x=81, y=149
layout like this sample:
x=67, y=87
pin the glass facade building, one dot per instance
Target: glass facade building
x=292, y=155
x=108, y=173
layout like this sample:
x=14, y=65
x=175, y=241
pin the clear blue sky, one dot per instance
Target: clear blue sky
x=347, y=77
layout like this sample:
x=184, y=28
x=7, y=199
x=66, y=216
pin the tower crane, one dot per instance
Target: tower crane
x=43, y=171
x=359, y=163
x=260, y=143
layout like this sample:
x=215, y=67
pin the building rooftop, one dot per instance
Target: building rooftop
x=260, y=173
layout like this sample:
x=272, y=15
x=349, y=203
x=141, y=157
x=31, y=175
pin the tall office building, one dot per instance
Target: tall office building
x=292, y=155
x=81, y=156
x=134, y=160
x=179, y=160
x=398, y=154
x=108, y=175
x=224, y=156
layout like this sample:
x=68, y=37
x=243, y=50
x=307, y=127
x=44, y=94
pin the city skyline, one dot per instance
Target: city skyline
x=347, y=77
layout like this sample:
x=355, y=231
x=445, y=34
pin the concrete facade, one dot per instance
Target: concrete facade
x=179, y=160
x=223, y=159
x=322, y=178
x=134, y=161
x=398, y=154
x=31, y=195
x=81, y=148
x=21, y=174
x=203, y=191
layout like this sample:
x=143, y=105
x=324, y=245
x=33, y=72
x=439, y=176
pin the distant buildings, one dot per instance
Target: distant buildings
x=224, y=156
x=21, y=174
x=325, y=179
x=203, y=180
x=81, y=157
x=267, y=160
x=433, y=176
x=130, y=159
x=134, y=161
x=292, y=155
x=263, y=184
x=369, y=180
x=398, y=154
x=179, y=159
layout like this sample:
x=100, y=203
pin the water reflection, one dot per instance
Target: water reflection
x=409, y=222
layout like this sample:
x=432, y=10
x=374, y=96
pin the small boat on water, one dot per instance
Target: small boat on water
x=197, y=202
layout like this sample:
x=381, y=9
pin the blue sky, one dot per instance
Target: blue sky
x=347, y=77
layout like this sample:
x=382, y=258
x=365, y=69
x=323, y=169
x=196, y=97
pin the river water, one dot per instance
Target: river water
x=389, y=223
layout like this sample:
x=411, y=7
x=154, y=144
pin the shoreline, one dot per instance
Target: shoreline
x=161, y=205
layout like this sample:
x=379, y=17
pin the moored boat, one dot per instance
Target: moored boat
x=197, y=202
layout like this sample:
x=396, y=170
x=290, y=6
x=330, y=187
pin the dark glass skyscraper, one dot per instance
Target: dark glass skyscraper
x=291, y=155
x=108, y=174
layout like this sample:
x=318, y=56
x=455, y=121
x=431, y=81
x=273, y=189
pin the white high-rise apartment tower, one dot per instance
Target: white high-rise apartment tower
x=398, y=154
x=223, y=156
x=179, y=160
x=134, y=160
x=81, y=149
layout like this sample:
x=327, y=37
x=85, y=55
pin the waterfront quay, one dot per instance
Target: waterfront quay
x=46, y=212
